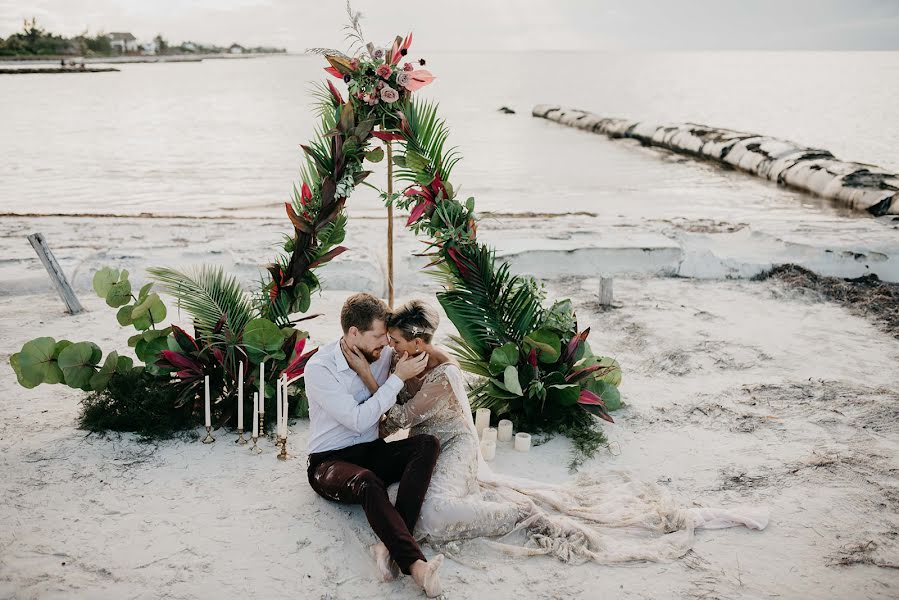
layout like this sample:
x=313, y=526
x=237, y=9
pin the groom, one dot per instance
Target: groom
x=347, y=461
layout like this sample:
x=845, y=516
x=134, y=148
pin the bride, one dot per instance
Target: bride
x=607, y=517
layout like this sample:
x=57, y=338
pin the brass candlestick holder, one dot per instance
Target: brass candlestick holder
x=283, y=455
x=261, y=424
x=208, y=439
x=255, y=449
x=241, y=440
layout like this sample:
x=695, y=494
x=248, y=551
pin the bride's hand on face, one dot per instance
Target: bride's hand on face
x=355, y=358
x=408, y=367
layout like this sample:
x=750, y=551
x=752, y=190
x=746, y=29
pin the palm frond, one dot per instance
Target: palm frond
x=428, y=139
x=208, y=294
x=489, y=306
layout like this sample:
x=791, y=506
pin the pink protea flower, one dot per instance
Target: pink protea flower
x=408, y=67
x=384, y=71
x=388, y=94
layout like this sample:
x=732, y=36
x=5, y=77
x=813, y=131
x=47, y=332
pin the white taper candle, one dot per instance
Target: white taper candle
x=279, y=408
x=255, y=414
x=206, y=401
x=240, y=396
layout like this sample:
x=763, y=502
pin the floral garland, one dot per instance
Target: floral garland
x=536, y=365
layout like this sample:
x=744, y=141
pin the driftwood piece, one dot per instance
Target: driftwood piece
x=605, y=291
x=58, y=278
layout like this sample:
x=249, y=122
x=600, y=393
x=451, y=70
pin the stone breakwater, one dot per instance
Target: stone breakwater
x=857, y=185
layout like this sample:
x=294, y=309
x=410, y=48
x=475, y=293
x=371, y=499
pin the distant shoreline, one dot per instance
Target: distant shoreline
x=150, y=58
x=28, y=71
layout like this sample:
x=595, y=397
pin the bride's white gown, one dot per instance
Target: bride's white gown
x=606, y=517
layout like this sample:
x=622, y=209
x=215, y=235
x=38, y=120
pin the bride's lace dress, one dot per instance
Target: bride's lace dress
x=607, y=517
x=455, y=507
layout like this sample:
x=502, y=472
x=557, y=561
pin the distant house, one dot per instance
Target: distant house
x=236, y=49
x=148, y=48
x=123, y=42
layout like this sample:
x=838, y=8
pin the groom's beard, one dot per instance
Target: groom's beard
x=371, y=355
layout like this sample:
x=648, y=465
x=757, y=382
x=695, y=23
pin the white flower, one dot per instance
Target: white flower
x=388, y=94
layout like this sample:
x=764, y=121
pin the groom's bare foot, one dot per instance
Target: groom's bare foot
x=425, y=574
x=387, y=567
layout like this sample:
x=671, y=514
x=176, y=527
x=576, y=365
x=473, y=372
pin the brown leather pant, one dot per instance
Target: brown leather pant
x=360, y=474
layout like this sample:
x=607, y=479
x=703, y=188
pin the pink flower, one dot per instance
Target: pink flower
x=380, y=85
x=418, y=79
x=388, y=94
x=372, y=101
x=402, y=78
x=384, y=71
x=354, y=64
x=408, y=67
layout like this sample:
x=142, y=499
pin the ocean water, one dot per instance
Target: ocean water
x=221, y=137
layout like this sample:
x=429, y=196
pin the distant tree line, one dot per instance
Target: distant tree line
x=34, y=40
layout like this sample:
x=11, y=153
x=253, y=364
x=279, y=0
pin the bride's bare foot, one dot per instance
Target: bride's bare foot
x=387, y=567
x=425, y=574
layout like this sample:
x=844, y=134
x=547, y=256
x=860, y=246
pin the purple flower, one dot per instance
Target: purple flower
x=388, y=94
x=378, y=54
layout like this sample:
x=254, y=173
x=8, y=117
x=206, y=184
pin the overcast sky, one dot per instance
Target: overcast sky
x=484, y=25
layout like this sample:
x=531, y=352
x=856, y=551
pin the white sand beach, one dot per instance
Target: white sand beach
x=737, y=392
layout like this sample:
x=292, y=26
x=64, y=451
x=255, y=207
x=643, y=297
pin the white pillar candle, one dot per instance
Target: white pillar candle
x=488, y=449
x=279, y=407
x=489, y=435
x=208, y=408
x=255, y=414
x=240, y=396
x=522, y=441
x=482, y=420
x=504, y=431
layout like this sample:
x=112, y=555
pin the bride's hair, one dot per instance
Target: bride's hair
x=414, y=319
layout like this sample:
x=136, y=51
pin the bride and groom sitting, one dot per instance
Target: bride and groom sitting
x=385, y=374
x=353, y=385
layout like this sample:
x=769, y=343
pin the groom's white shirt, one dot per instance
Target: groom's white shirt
x=342, y=412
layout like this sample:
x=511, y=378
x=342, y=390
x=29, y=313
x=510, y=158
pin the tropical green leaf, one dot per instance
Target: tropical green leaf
x=78, y=363
x=510, y=379
x=208, y=294
x=103, y=280
x=547, y=343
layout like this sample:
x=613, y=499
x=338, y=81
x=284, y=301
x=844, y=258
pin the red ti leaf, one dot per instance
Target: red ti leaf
x=594, y=405
x=417, y=212
x=387, y=136
x=295, y=219
x=334, y=72
x=328, y=256
x=572, y=347
x=335, y=93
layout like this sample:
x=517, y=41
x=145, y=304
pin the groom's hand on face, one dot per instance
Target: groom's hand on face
x=407, y=368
